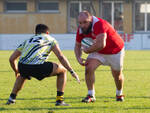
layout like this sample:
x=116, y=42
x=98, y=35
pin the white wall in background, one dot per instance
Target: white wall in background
x=67, y=41
x=146, y=41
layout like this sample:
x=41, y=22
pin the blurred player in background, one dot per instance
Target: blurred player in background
x=33, y=54
x=108, y=49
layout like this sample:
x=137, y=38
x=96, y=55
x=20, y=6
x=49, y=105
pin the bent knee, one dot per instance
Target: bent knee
x=61, y=70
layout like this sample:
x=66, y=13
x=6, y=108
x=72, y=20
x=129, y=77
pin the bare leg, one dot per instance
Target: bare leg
x=61, y=79
x=18, y=84
x=91, y=66
x=60, y=71
x=17, y=87
x=119, y=81
x=119, y=78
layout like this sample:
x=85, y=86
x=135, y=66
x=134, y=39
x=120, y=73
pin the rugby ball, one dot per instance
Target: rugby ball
x=87, y=42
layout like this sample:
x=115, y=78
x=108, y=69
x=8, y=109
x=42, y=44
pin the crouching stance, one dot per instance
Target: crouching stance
x=33, y=54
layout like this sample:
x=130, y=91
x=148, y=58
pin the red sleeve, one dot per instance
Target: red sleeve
x=99, y=27
x=78, y=36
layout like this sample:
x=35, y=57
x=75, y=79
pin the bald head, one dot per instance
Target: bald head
x=85, y=15
x=85, y=21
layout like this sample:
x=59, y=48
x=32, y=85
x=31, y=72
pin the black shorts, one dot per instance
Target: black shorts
x=38, y=71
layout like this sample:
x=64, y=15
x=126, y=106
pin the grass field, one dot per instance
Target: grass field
x=39, y=96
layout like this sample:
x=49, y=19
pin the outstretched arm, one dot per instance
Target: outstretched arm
x=63, y=60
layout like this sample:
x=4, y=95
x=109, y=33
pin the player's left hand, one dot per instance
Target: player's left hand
x=76, y=77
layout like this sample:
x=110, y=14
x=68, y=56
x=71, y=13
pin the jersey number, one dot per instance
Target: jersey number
x=35, y=40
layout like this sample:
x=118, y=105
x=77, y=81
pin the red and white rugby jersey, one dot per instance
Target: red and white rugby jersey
x=114, y=42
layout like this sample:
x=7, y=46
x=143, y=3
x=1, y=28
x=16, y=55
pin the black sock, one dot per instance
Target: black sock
x=13, y=96
x=59, y=93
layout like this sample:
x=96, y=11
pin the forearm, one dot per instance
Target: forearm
x=78, y=52
x=13, y=61
x=63, y=60
x=13, y=64
x=99, y=44
x=94, y=48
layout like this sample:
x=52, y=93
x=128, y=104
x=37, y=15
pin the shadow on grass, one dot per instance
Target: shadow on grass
x=43, y=98
x=76, y=98
x=32, y=98
x=49, y=99
x=51, y=108
x=46, y=108
x=137, y=108
x=138, y=97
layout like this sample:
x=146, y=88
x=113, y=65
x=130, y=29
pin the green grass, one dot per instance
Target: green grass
x=39, y=96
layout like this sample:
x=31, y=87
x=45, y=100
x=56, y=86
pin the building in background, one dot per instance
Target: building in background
x=20, y=16
x=129, y=17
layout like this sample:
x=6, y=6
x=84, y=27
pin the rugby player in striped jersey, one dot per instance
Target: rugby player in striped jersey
x=33, y=54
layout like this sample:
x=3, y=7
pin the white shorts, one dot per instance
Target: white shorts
x=115, y=61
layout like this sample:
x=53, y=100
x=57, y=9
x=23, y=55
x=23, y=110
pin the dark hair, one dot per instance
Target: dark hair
x=41, y=28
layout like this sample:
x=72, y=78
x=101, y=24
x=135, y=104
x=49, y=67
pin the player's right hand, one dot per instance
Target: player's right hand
x=81, y=61
x=17, y=74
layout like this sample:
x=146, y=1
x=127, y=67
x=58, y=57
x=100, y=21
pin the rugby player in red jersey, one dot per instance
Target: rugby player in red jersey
x=108, y=49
